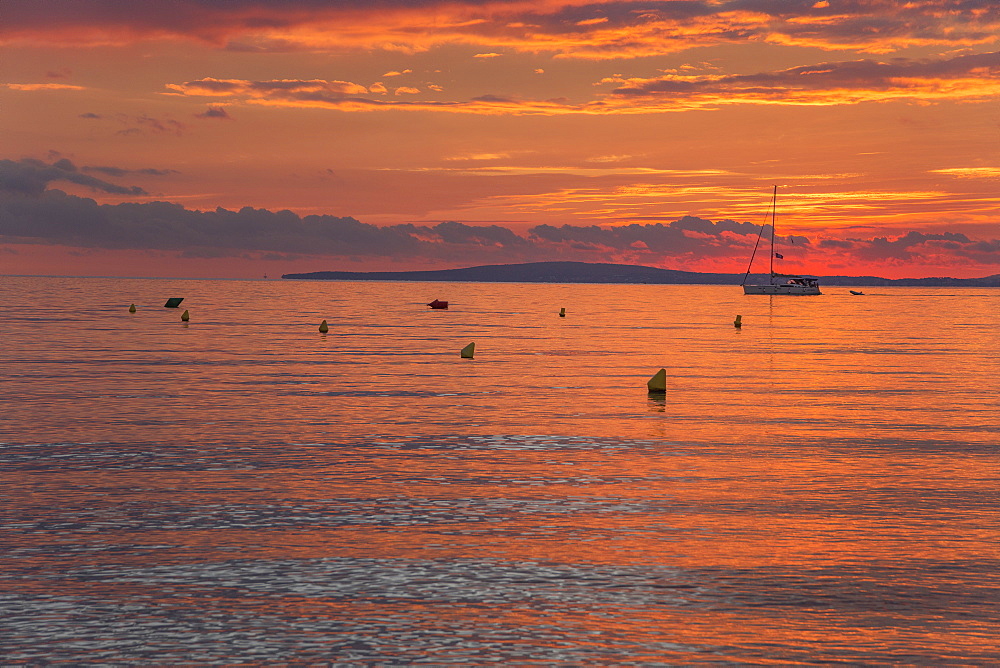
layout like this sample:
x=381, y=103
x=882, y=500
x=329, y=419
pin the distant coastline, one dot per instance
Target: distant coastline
x=588, y=272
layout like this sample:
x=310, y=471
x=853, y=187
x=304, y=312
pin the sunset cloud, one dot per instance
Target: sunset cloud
x=965, y=78
x=289, y=88
x=138, y=125
x=32, y=178
x=345, y=96
x=970, y=172
x=120, y=171
x=918, y=248
x=569, y=28
x=969, y=77
x=216, y=113
x=41, y=86
x=149, y=124
x=479, y=156
x=609, y=158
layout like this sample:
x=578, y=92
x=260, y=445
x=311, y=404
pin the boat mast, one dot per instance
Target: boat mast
x=774, y=206
x=757, y=243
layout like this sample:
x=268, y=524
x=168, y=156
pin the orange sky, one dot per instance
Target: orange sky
x=426, y=134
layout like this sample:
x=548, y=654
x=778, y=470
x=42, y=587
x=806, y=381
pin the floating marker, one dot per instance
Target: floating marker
x=658, y=383
x=562, y=313
x=131, y=309
x=185, y=316
x=469, y=350
x=173, y=302
x=738, y=322
x=437, y=303
x=323, y=327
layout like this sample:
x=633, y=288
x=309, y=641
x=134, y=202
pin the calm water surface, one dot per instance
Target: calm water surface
x=819, y=487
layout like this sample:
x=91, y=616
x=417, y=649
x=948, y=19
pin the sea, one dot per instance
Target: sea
x=820, y=486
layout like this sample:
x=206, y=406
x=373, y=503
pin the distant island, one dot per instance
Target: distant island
x=588, y=272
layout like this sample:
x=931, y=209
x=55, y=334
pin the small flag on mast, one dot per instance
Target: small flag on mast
x=779, y=256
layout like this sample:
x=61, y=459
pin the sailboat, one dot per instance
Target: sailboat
x=779, y=284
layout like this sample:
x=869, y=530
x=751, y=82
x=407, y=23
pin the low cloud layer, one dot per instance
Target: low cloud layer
x=30, y=212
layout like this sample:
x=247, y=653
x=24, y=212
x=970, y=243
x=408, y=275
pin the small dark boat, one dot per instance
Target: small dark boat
x=856, y=292
x=173, y=302
x=437, y=303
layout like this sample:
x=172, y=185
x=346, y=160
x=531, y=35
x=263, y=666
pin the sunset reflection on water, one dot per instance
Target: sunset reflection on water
x=818, y=486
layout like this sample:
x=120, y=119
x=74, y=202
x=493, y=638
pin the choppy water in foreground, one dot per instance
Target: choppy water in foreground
x=818, y=487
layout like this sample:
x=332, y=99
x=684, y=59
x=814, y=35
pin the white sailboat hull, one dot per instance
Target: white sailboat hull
x=781, y=289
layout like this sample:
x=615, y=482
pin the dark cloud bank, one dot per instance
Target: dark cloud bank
x=31, y=212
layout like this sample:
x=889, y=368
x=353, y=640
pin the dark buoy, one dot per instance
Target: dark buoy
x=562, y=313
x=323, y=327
x=131, y=309
x=437, y=303
x=658, y=383
x=185, y=316
x=469, y=351
x=738, y=322
x=173, y=302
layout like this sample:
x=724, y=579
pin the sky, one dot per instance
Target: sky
x=238, y=138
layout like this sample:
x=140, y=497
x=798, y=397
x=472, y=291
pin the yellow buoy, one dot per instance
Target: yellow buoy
x=738, y=322
x=323, y=327
x=131, y=309
x=562, y=313
x=658, y=383
x=469, y=350
x=185, y=316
